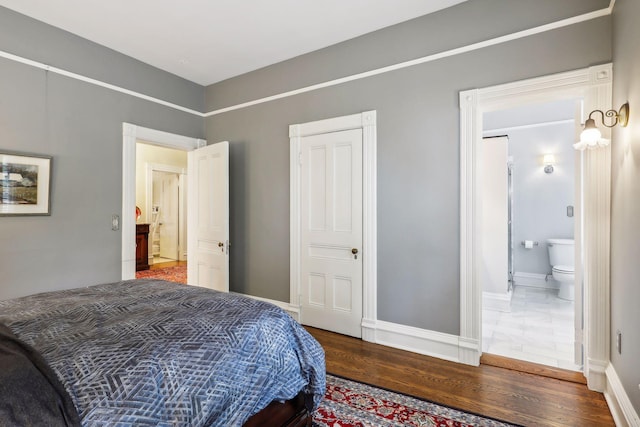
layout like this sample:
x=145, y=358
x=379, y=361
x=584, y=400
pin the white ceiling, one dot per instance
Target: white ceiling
x=207, y=41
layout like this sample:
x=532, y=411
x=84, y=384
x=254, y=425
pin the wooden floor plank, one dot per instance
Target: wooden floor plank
x=506, y=394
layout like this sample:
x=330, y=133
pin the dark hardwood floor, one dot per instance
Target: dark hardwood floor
x=506, y=394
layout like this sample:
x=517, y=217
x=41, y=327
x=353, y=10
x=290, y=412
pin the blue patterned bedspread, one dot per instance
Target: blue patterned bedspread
x=156, y=353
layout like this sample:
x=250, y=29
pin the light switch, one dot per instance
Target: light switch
x=115, y=222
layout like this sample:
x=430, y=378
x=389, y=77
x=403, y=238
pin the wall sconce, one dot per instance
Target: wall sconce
x=591, y=136
x=548, y=161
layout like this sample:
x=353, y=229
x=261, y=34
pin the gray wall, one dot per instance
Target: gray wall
x=418, y=142
x=80, y=125
x=625, y=208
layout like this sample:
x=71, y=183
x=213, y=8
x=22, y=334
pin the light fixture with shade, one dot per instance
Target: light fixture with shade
x=548, y=161
x=591, y=136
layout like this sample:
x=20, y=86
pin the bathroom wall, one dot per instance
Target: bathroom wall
x=540, y=200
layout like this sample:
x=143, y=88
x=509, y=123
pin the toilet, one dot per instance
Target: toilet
x=561, y=257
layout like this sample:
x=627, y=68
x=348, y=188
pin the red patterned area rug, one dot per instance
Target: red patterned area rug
x=172, y=274
x=353, y=404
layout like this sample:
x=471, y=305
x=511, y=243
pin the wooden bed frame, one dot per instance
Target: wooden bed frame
x=292, y=413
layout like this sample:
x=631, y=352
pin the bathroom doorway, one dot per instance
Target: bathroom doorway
x=530, y=308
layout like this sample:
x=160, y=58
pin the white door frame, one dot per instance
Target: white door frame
x=130, y=135
x=594, y=85
x=367, y=122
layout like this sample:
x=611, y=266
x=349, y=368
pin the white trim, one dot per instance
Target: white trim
x=408, y=338
x=596, y=239
x=470, y=293
x=624, y=415
x=535, y=280
x=529, y=126
x=421, y=341
x=293, y=310
x=594, y=86
x=95, y=82
x=130, y=135
x=429, y=58
x=367, y=122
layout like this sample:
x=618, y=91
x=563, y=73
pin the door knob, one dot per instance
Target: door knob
x=220, y=244
x=354, y=251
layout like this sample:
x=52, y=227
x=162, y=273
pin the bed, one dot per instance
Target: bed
x=151, y=352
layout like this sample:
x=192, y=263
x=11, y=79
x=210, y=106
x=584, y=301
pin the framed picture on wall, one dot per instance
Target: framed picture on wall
x=24, y=184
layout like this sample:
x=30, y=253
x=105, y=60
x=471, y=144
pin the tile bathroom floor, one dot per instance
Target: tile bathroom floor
x=538, y=329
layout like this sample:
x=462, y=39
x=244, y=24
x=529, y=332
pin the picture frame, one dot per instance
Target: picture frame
x=25, y=184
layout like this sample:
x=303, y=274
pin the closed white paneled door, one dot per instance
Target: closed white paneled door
x=331, y=231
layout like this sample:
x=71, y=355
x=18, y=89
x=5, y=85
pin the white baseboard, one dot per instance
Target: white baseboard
x=416, y=340
x=534, y=280
x=409, y=338
x=620, y=406
x=497, y=301
x=595, y=372
x=293, y=310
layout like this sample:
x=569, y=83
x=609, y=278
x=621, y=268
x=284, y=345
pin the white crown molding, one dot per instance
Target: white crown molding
x=429, y=58
x=96, y=82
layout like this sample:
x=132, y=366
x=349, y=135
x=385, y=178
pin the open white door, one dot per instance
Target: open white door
x=208, y=210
